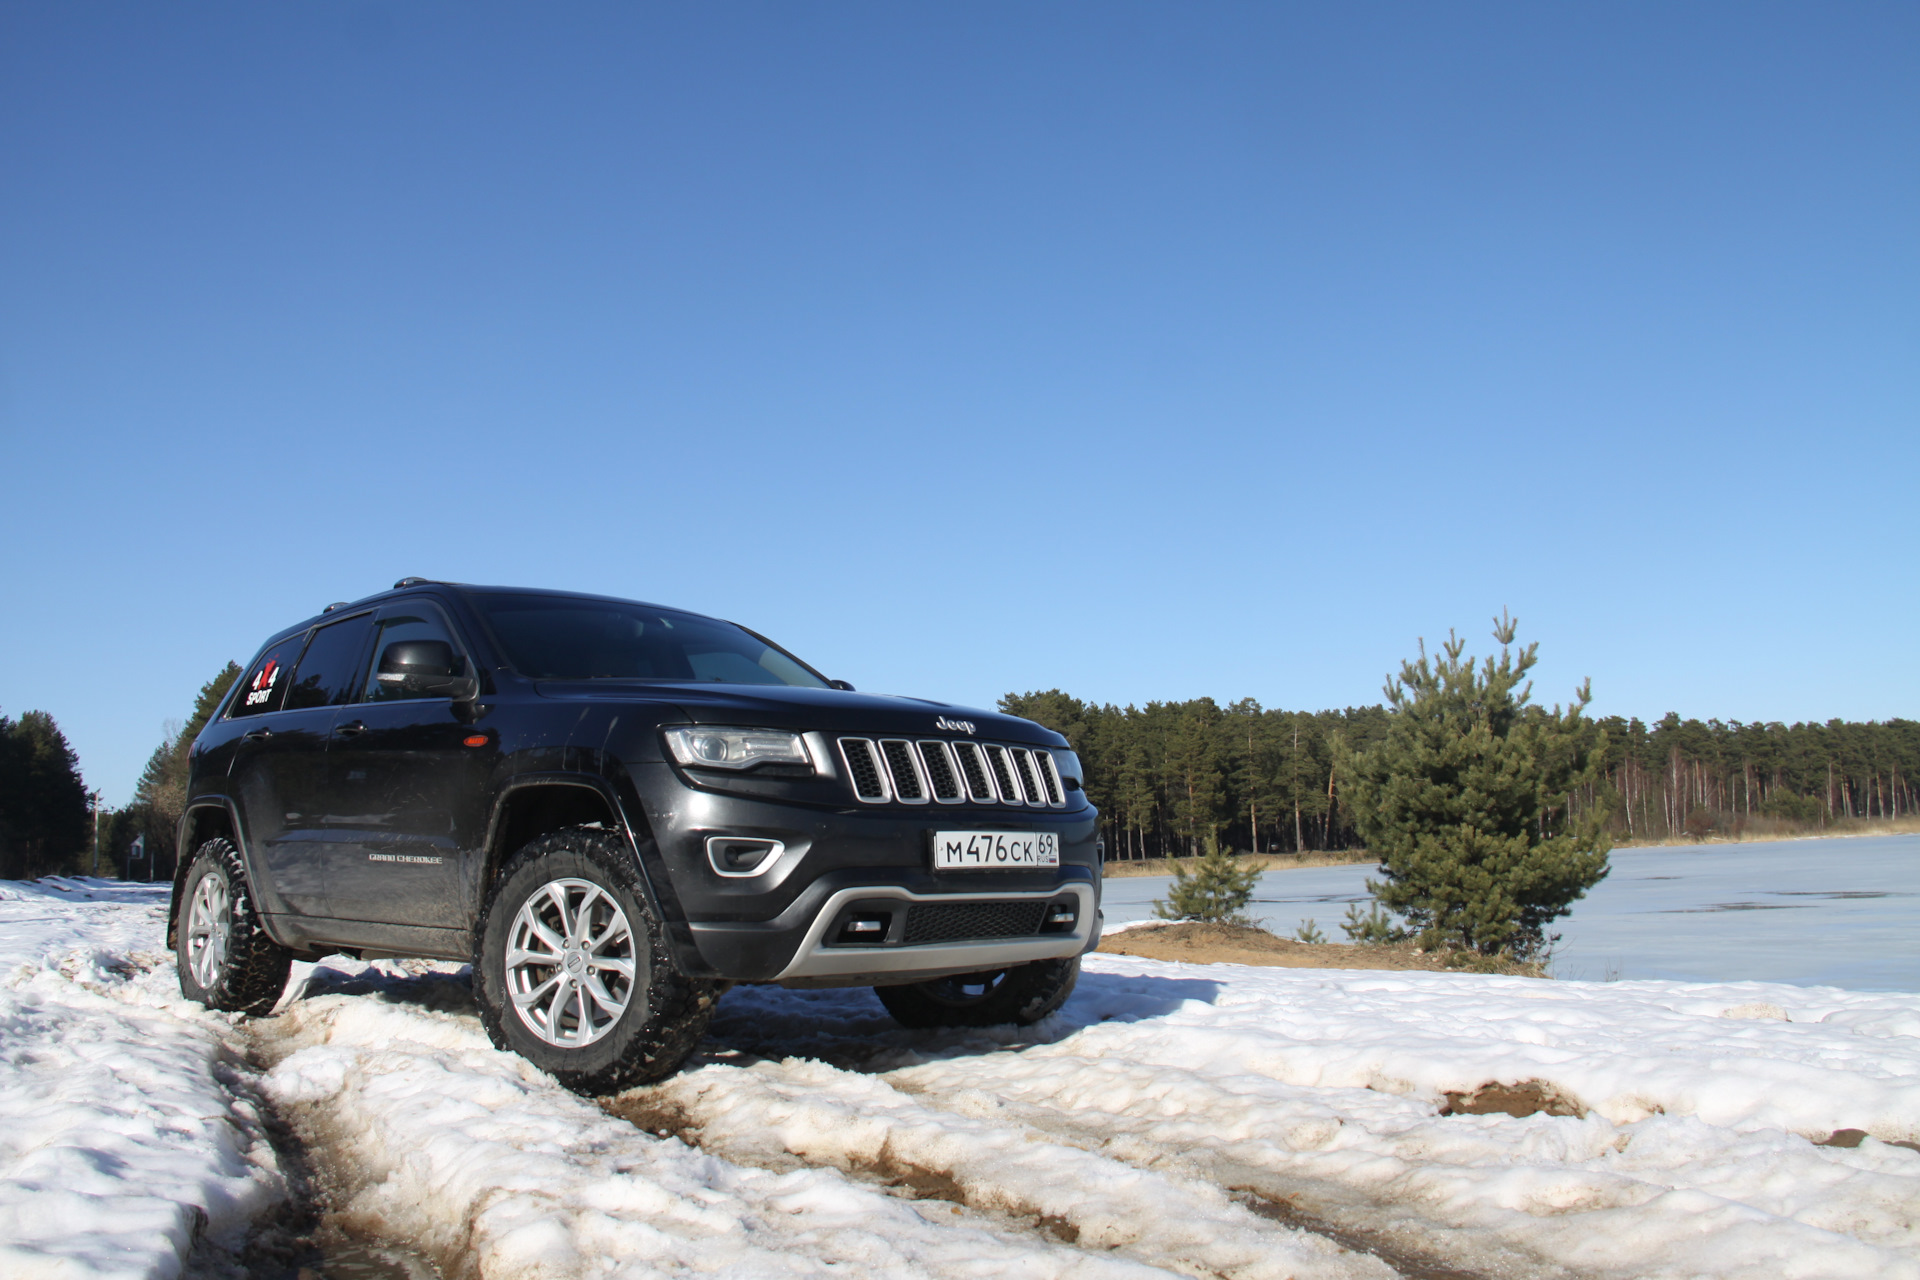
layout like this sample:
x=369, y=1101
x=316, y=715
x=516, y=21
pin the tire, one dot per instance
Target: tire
x=1022, y=995
x=224, y=958
x=600, y=1018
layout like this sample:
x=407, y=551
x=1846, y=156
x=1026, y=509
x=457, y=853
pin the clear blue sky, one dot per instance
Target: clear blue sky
x=1147, y=351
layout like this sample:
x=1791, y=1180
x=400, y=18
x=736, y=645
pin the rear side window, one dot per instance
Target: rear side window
x=266, y=685
x=330, y=668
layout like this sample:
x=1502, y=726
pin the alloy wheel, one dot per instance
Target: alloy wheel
x=570, y=963
x=209, y=930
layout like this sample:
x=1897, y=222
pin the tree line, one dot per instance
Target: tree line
x=47, y=820
x=1168, y=775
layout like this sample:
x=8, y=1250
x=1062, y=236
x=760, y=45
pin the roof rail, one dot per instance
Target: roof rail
x=337, y=604
x=411, y=582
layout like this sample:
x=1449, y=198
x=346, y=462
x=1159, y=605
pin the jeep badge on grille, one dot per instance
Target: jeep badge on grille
x=954, y=726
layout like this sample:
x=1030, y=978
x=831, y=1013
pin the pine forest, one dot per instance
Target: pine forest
x=1262, y=780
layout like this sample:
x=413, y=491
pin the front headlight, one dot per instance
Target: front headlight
x=725, y=748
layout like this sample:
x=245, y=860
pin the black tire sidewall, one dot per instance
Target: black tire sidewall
x=561, y=858
x=253, y=976
x=205, y=864
x=1028, y=993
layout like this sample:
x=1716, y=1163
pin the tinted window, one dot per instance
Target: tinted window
x=267, y=683
x=395, y=651
x=553, y=638
x=329, y=669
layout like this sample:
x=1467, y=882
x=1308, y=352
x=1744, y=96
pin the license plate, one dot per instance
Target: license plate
x=994, y=850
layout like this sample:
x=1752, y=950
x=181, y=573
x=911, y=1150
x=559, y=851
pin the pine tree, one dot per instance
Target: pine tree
x=43, y=802
x=1465, y=801
x=161, y=794
x=1216, y=890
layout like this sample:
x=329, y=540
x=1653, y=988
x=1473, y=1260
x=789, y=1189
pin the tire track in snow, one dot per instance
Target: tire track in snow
x=844, y=1038
x=490, y=1168
x=823, y=1115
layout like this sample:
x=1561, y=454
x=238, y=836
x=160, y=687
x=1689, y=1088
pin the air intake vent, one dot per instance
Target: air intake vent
x=904, y=769
x=863, y=767
x=961, y=921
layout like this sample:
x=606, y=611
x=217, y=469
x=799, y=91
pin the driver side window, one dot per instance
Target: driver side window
x=414, y=643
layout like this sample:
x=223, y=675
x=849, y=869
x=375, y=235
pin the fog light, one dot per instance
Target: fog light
x=742, y=855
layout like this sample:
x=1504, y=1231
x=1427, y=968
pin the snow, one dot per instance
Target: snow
x=120, y=1144
x=1170, y=1120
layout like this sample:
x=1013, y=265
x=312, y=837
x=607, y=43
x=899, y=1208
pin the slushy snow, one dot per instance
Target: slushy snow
x=1170, y=1120
x=125, y=1132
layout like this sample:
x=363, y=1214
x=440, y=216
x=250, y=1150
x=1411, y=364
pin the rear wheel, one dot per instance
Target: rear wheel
x=571, y=968
x=1022, y=995
x=225, y=959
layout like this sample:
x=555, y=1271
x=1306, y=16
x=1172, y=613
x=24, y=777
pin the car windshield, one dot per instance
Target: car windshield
x=557, y=638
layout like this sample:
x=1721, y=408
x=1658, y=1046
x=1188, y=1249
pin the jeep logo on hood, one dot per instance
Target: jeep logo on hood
x=954, y=726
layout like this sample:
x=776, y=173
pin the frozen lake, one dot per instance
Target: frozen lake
x=1840, y=913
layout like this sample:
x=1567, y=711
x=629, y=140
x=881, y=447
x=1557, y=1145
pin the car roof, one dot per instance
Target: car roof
x=421, y=586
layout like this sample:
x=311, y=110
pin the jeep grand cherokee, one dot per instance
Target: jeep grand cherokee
x=614, y=810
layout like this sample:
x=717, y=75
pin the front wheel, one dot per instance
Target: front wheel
x=1022, y=995
x=571, y=968
x=225, y=959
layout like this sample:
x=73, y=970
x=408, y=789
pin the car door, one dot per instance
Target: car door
x=279, y=773
x=407, y=779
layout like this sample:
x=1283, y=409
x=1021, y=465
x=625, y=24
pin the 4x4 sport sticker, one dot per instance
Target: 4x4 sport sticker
x=262, y=687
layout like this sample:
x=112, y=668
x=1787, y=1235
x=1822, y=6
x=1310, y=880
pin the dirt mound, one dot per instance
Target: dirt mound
x=1192, y=943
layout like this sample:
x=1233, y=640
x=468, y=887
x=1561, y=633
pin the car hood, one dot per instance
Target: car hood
x=827, y=710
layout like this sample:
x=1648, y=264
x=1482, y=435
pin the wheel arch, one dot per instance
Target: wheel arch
x=535, y=805
x=203, y=820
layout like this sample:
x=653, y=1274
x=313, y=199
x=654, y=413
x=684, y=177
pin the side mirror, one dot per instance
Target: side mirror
x=840, y=684
x=425, y=669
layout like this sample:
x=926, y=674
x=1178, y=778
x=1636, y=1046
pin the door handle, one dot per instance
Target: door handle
x=257, y=735
x=350, y=729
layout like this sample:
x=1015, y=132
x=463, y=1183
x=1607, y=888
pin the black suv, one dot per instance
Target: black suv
x=614, y=810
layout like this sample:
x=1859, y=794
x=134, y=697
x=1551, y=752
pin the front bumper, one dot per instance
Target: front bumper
x=819, y=954
x=774, y=927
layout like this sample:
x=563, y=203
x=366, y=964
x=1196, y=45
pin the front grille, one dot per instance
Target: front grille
x=898, y=770
x=964, y=921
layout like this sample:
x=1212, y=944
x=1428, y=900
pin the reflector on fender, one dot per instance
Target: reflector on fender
x=474, y=740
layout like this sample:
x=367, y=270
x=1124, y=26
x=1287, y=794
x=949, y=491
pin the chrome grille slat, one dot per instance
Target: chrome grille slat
x=863, y=768
x=973, y=767
x=1002, y=769
x=1029, y=776
x=1050, y=776
x=903, y=767
x=942, y=776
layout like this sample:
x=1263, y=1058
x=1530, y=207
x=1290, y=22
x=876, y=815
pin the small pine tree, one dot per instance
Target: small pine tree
x=1309, y=933
x=1216, y=890
x=1464, y=801
x=1374, y=928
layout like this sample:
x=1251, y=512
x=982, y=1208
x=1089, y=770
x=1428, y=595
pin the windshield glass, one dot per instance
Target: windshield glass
x=555, y=638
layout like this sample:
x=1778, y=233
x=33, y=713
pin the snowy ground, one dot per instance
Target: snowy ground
x=1202, y=1121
